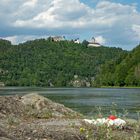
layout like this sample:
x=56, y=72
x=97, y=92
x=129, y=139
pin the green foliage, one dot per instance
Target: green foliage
x=98, y=131
x=124, y=71
x=47, y=63
x=85, y=43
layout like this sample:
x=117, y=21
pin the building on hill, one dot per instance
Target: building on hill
x=77, y=41
x=94, y=43
x=58, y=38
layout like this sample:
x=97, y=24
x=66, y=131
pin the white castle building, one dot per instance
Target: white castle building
x=93, y=43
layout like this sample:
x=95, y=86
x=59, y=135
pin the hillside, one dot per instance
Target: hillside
x=125, y=72
x=47, y=63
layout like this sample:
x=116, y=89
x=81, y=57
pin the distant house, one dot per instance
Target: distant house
x=77, y=41
x=93, y=43
x=58, y=38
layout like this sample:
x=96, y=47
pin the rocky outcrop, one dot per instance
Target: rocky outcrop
x=80, y=82
x=33, y=117
x=11, y=105
x=43, y=107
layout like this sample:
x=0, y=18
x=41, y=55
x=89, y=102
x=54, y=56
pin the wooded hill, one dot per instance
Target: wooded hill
x=48, y=63
x=122, y=72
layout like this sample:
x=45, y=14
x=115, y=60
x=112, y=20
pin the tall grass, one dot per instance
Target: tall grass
x=131, y=131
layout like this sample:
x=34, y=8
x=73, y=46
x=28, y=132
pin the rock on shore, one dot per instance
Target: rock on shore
x=34, y=117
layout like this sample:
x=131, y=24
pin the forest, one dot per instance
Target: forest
x=122, y=72
x=43, y=62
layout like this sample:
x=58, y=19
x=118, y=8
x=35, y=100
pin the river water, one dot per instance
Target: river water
x=88, y=101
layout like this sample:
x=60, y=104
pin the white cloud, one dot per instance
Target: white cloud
x=73, y=14
x=13, y=39
x=23, y=38
x=100, y=39
x=30, y=3
x=136, y=29
x=118, y=23
x=61, y=13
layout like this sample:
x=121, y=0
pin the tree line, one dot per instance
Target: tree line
x=124, y=71
x=43, y=62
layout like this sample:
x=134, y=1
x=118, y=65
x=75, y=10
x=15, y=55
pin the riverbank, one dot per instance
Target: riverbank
x=33, y=117
x=87, y=100
x=133, y=87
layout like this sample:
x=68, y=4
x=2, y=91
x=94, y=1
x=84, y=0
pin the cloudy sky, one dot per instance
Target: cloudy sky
x=111, y=22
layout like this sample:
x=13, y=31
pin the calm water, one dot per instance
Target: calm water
x=87, y=100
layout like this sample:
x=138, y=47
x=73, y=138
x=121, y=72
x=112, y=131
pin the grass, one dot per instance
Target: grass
x=104, y=132
x=33, y=112
x=12, y=120
x=131, y=131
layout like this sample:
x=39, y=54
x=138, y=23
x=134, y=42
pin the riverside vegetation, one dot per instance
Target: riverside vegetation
x=33, y=117
x=65, y=64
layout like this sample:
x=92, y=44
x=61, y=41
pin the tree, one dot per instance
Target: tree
x=85, y=43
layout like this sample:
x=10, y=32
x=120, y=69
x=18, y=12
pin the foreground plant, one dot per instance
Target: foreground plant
x=94, y=130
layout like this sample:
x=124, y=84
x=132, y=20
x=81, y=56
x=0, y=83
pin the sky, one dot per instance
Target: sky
x=114, y=23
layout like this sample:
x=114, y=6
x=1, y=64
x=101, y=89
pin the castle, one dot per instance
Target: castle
x=91, y=43
x=94, y=43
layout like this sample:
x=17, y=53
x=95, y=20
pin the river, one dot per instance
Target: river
x=88, y=101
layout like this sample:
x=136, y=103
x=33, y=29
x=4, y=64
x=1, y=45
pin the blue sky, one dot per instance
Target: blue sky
x=92, y=3
x=113, y=23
